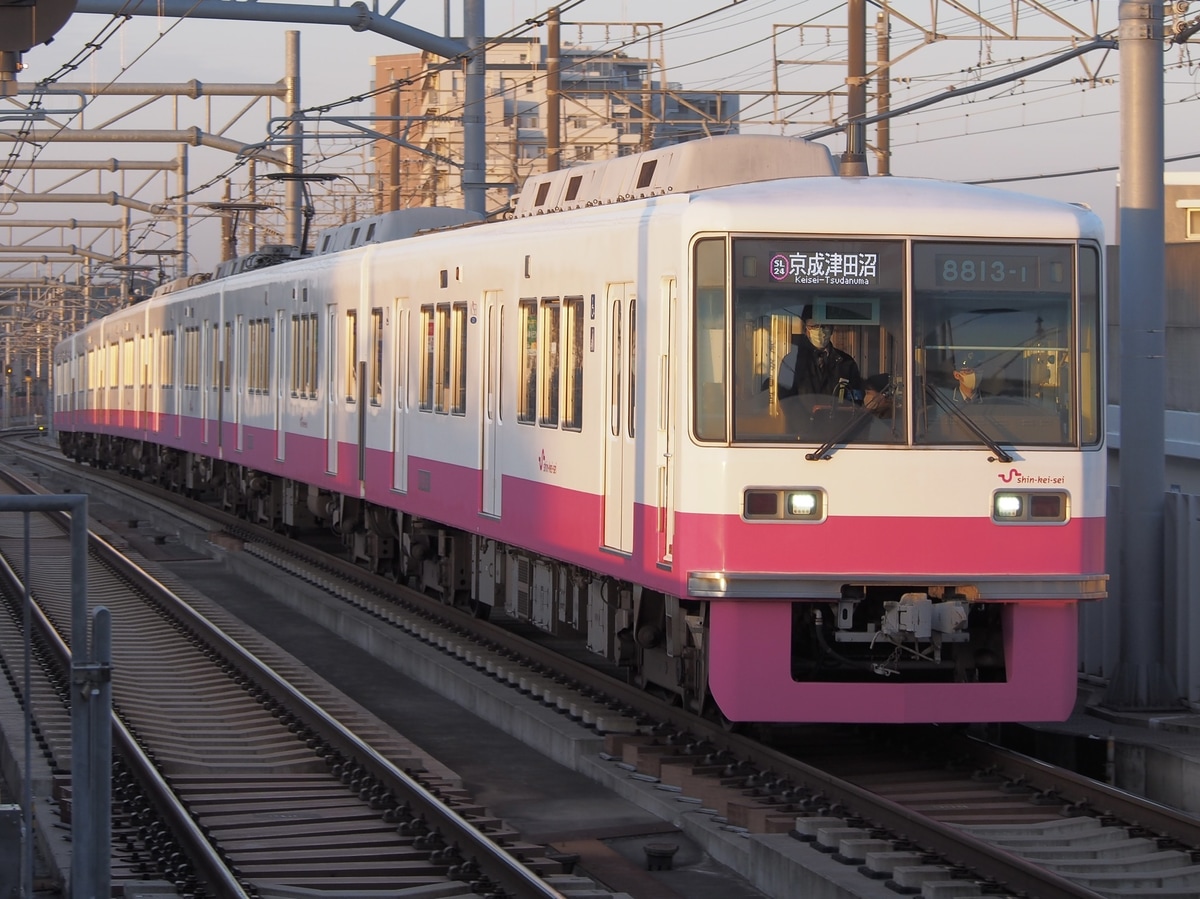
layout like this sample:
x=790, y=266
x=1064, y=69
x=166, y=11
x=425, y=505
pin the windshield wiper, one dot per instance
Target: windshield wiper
x=850, y=428
x=947, y=406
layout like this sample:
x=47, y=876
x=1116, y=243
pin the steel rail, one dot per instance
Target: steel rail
x=493, y=861
x=208, y=863
x=1092, y=794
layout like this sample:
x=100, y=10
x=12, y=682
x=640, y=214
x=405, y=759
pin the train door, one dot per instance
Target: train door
x=400, y=428
x=619, y=447
x=493, y=311
x=277, y=376
x=666, y=426
x=331, y=392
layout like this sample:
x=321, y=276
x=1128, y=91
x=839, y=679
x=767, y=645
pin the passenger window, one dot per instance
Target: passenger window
x=527, y=396
x=573, y=363
x=551, y=319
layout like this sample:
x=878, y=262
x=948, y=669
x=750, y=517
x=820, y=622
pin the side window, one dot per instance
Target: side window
x=264, y=355
x=309, y=329
x=551, y=375
x=425, y=403
x=376, y=364
x=614, y=400
x=351, y=356
x=128, y=363
x=573, y=363
x=304, y=356
x=331, y=346
x=167, y=372
x=191, y=358
x=258, y=362
x=401, y=319
x=239, y=342
x=458, y=368
x=708, y=340
x=528, y=330
x=1091, y=360
x=297, y=355
x=442, y=364
x=228, y=354
x=214, y=357
x=632, y=366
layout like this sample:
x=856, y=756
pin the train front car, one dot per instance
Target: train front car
x=897, y=419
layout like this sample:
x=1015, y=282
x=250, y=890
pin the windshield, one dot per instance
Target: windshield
x=842, y=341
x=818, y=340
x=992, y=329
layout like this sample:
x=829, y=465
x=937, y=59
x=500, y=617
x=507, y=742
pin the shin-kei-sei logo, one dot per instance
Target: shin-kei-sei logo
x=546, y=466
x=1014, y=476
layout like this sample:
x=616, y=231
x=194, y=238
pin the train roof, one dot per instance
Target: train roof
x=875, y=205
x=679, y=168
x=389, y=226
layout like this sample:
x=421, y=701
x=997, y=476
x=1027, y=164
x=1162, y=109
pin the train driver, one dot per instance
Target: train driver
x=966, y=389
x=814, y=365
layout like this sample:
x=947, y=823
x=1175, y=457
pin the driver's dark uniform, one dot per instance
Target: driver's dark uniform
x=805, y=369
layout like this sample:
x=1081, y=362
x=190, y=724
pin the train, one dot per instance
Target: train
x=582, y=415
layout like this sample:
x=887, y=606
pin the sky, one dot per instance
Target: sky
x=1064, y=119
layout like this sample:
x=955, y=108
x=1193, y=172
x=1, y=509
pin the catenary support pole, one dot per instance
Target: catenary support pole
x=1140, y=681
x=294, y=189
x=474, y=135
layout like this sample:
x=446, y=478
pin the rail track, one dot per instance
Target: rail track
x=231, y=779
x=939, y=815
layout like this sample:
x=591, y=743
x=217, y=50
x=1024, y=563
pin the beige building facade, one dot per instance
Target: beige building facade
x=610, y=105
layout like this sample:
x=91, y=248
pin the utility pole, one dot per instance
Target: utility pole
x=474, y=172
x=1141, y=681
x=854, y=159
x=883, y=93
x=294, y=150
x=553, y=93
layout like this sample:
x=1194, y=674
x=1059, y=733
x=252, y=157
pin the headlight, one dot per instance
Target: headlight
x=1009, y=505
x=804, y=504
x=1029, y=506
x=783, y=504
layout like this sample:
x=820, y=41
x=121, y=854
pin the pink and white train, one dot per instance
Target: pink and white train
x=586, y=415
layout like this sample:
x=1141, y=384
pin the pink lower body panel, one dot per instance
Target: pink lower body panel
x=750, y=673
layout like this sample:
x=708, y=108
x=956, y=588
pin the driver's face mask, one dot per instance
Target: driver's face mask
x=818, y=335
x=967, y=379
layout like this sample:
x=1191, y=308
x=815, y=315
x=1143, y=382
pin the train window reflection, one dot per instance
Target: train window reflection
x=425, y=403
x=993, y=354
x=818, y=342
x=709, y=340
x=573, y=363
x=527, y=394
x=551, y=374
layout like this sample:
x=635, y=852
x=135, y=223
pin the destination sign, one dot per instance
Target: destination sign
x=993, y=267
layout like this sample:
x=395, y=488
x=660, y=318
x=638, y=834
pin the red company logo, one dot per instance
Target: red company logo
x=1013, y=476
x=543, y=465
